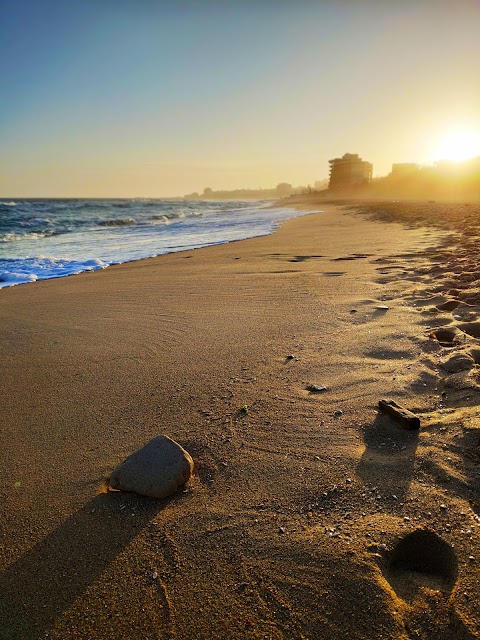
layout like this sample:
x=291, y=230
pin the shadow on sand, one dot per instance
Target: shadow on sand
x=389, y=457
x=47, y=579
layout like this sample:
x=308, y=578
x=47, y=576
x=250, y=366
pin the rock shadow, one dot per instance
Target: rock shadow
x=379, y=312
x=46, y=581
x=389, y=457
x=468, y=448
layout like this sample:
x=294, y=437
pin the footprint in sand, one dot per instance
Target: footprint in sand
x=293, y=258
x=449, y=305
x=422, y=570
x=471, y=328
x=303, y=258
x=448, y=336
x=424, y=552
x=421, y=559
x=353, y=256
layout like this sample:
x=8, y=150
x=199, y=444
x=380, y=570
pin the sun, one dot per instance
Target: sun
x=458, y=146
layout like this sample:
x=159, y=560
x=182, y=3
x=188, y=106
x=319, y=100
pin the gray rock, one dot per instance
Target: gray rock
x=316, y=388
x=156, y=470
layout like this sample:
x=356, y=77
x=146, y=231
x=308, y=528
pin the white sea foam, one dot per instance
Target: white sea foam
x=45, y=239
x=161, y=221
x=8, y=204
x=94, y=264
x=13, y=237
x=43, y=268
x=11, y=278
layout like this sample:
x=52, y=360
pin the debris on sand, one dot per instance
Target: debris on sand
x=403, y=416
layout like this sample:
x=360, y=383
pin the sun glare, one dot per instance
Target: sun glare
x=458, y=146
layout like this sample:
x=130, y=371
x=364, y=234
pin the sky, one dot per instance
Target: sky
x=144, y=98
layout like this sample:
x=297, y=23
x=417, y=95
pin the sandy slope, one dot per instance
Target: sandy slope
x=288, y=526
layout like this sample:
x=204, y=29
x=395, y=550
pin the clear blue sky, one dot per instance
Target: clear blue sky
x=136, y=97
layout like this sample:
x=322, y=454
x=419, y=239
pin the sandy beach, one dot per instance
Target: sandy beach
x=291, y=524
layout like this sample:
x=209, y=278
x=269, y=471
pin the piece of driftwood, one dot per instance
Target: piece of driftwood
x=403, y=416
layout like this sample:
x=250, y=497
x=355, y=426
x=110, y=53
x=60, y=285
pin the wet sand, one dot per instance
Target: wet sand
x=290, y=526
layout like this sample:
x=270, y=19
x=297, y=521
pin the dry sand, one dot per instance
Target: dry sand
x=290, y=525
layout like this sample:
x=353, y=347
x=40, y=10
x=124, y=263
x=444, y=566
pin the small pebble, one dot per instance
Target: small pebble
x=154, y=575
x=316, y=388
x=443, y=507
x=338, y=413
x=281, y=530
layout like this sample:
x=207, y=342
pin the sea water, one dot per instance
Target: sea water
x=43, y=239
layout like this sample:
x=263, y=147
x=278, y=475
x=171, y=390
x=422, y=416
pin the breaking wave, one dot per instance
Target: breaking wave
x=116, y=222
x=42, y=239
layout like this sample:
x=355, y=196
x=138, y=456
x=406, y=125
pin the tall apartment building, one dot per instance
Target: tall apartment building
x=349, y=171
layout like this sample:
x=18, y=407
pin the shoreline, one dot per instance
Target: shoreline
x=294, y=509
x=95, y=263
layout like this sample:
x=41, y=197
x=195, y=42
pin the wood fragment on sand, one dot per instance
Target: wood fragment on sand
x=403, y=416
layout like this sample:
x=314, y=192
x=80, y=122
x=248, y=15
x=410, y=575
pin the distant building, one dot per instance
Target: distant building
x=404, y=169
x=349, y=171
x=284, y=189
x=320, y=185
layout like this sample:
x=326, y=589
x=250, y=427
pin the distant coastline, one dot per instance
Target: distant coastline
x=282, y=190
x=443, y=181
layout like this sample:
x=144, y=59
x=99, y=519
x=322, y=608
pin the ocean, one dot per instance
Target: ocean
x=43, y=239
